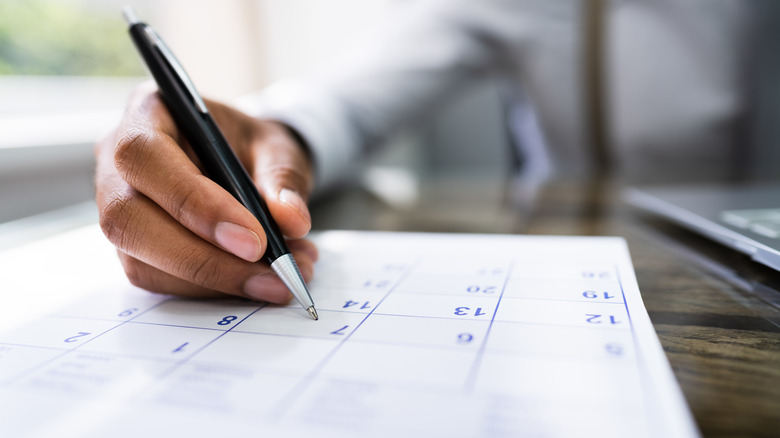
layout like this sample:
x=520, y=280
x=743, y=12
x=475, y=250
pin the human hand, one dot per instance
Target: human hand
x=178, y=232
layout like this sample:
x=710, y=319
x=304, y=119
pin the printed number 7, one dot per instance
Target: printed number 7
x=76, y=337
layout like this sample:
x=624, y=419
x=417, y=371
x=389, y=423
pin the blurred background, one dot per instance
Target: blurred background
x=67, y=66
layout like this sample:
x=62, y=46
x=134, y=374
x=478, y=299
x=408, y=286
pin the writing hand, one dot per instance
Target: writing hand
x=177, y=231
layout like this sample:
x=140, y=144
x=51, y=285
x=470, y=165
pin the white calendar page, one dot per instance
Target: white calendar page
x=420, y=335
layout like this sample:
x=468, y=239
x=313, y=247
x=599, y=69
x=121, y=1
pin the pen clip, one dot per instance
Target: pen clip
x=176, y=66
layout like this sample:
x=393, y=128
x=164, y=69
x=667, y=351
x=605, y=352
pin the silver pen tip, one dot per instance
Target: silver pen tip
x=313, y=312
x=129, y=14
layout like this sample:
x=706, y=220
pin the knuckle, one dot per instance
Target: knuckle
x=183, y=201
x=115, y=218
x=202, y=270
x=288, y=176
x=129, y=152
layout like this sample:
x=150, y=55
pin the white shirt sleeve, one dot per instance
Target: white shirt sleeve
x=422, y=57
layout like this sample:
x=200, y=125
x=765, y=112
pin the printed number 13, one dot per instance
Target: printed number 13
x=463, y=311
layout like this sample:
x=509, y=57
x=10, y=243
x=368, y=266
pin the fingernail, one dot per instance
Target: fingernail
x=238, y=240
x=295, y=201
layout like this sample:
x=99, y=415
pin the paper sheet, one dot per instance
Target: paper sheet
x=419, y=335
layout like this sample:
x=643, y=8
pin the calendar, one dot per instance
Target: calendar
x=420, y=335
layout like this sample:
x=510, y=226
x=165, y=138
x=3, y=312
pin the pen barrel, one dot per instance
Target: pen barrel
x=223, y=167
x=218, y=159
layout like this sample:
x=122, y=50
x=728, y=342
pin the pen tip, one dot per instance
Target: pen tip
x=313, y=312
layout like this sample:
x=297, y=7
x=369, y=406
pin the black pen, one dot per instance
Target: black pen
x=221, y=164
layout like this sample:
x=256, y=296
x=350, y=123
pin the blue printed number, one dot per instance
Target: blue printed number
x=478, y=289
x=180, y=347
x=465, y=338
x=597, y=319
x=227, y=320
x=464, y=311
x=614, y=349
x=377, y=284
x=365, y=305
x=76, y=337
x=127, y=312
x=490, y=271
x=593, y=294
x=339, y=331
x=602, y=275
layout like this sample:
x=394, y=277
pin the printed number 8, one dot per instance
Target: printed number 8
x=227, y=320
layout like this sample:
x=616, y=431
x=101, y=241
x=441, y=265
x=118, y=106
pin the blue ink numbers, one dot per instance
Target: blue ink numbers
x=598, y=319
x=340, y=331
x=593, y=295
x=127, y=312
x=227, y=320
x=466, y=311
x=350, y=303
x=473, y=289
x=465, y=338
x=76, y=337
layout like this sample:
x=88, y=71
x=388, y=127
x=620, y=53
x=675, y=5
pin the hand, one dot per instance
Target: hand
x=178, y=232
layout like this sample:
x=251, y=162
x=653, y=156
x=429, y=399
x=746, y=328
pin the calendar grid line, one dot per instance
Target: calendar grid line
x=471, y=378
x=640, y=362
x=13, y=344
x=181, y=362
x=33, y=369
x=309, y=377
x=508, y=297
x=160, y=324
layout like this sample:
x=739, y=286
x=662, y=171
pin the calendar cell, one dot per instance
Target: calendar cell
x=593, y=315
x=562, y=290
x=400, y=365
x=85, y=372
x=287, y=354
x=152, y=341
x=456, y=285
x=439, y=306
x=295, y=322
x=582, y=270
x=16, y=359
x=57, y=332
x=432, y=332
x=559, y=342
x=224, y=388
x=115, y=306
x=483, y=267
x=559, y=379
x=217, y=314
x=344, y=300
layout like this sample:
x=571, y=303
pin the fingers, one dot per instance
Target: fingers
x=177, y=231
x=283, y=174
x=156, y=248
x=150, y=160
x=150, y=278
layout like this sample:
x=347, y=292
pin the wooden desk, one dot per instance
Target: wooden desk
x=711, y=307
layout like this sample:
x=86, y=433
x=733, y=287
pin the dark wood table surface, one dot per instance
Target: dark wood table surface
x=716, y=312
